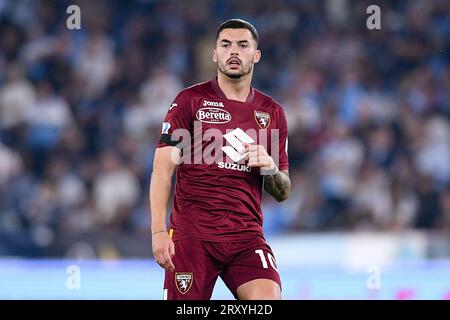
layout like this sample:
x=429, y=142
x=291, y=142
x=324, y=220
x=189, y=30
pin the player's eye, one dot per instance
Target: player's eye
x=225, y=45
x=244, y=45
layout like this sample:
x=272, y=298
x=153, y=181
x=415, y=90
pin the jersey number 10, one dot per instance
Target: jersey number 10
x=264, y=260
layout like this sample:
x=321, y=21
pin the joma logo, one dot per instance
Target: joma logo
x=207, y=103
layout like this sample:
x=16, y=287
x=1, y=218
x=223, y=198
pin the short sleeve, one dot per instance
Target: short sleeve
x=178, y=121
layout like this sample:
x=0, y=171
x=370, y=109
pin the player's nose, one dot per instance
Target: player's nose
x=234, y=55
x=234, y=50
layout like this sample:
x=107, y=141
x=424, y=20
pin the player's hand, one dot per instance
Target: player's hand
x=258, y=157
x=163, y=250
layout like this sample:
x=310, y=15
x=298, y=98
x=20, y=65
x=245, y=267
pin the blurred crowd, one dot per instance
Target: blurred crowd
x=81, y=110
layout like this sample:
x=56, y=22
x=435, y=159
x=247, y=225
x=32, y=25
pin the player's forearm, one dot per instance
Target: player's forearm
x=278, y=185
x=159, y=197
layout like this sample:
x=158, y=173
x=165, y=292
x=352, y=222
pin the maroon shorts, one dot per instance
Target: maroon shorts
x=198, y=263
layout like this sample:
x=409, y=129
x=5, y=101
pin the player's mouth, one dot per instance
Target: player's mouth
x=234, y=62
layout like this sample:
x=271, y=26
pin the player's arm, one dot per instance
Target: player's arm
x=164, y=165
x=277, y=183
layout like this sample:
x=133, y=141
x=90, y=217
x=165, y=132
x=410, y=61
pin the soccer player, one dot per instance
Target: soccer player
x=216, y=220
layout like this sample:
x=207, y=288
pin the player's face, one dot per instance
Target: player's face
x=236, y=52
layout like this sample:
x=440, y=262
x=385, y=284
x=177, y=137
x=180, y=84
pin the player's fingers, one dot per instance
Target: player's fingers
x=166, y=256
x=168, y=264
x=262, y=152
x=162, y=261
x=264, y=159
x=259, y=161
x=253, y=155
x=252, y=147
x=159, y=259
x=246, y=148
x=254, y=163
x=261, y=155
x=171, y=248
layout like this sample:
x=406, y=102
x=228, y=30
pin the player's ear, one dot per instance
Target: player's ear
x=214, y=55
x=257, y=56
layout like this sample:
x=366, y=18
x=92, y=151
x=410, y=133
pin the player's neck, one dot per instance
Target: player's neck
x=235, y=89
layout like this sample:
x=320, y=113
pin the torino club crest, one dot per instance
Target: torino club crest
x=183, y=281
x=262, y=119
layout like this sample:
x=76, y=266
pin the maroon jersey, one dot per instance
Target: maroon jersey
x=220, y=200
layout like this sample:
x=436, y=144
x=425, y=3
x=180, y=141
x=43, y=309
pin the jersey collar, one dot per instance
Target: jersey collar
x=219, y=92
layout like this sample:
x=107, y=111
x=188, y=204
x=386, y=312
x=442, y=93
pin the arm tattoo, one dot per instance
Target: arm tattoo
x=278, y=185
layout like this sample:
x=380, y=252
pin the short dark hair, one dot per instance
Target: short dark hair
x=238, y=24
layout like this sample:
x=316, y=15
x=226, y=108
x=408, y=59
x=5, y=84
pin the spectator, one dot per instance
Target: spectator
x=115, y=191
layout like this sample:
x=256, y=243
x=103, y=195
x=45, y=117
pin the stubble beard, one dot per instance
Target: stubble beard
x=232, y=74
